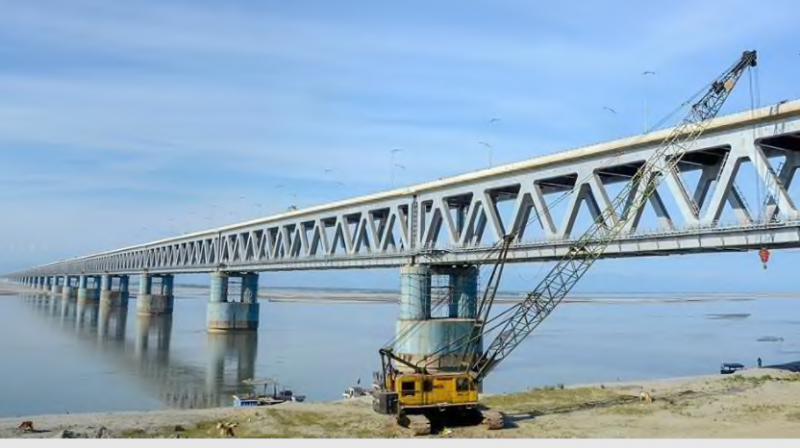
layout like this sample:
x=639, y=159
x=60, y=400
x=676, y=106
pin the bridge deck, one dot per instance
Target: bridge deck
x=460, y=219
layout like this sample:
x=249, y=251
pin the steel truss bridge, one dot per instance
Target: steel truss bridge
x=702, y=206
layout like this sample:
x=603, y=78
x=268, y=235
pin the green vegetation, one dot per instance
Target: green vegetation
x=553, y=401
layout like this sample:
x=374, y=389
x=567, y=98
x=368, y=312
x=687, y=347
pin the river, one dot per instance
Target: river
x=59, y=357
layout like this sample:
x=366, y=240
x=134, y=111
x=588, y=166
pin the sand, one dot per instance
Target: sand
x=759, y=403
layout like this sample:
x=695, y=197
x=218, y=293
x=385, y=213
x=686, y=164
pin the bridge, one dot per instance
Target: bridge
x=449, y=226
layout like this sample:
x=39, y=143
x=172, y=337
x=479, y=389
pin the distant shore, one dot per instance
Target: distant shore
x=361, y=296
x=758, y=403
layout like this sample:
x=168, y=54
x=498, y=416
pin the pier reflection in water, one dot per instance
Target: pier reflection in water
x=64, y=356
x=145, y=353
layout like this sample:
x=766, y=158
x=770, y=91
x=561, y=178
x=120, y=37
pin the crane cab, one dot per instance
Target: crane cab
x=409, y=392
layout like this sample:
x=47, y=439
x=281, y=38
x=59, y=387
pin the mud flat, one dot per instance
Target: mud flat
x=761, y=403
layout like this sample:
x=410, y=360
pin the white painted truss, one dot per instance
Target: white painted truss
x=542, y=202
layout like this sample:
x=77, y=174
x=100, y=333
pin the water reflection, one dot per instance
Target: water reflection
x=146, y=352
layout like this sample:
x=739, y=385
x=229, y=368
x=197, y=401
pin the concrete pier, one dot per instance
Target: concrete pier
x=422, y=335
x=67, y=290
x=88, y=288
x=415, y=292
x=114, y=293
x=226, y=315
x=464, y=292
x=55, y=287
x=155, y=298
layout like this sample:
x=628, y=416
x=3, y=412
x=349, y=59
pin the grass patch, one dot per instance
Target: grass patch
x=632, y=410
x=551, y=400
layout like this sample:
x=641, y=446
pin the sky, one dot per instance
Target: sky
x=125, y=122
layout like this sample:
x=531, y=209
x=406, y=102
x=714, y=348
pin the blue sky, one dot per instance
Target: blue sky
x=122, y=122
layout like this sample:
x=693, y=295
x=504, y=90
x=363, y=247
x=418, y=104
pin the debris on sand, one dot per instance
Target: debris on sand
x=26, y=426
x=226, y=429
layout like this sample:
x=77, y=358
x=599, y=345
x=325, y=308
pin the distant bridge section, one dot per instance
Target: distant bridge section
x=731, y=191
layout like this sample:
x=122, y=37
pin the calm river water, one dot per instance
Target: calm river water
x=58, y=358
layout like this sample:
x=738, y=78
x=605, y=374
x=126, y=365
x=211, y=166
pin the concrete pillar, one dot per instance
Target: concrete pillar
x=421, y=336
x=219, y=287
x=67, y=291
x=150, y=302
x=249, y=291
x=111, y=297
x=55, y=288
x=464, y=289
x=87, y=292
x=223, y=315
x=167, y=284
x=415, y=292
x=145, y=284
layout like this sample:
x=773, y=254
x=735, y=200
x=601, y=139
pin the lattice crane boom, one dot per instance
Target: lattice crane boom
x=521, y=319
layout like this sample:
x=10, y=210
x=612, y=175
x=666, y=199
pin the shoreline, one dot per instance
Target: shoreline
x=750, y=403
x=371, y=296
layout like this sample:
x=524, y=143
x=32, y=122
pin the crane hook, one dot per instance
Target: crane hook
x=763, y=254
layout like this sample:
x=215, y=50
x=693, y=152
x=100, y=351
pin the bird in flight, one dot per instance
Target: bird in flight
x=609, y=109
x=494, y=120
x=648, y=72
x=485, y=144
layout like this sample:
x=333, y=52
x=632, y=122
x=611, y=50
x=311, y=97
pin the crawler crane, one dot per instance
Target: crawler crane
x=409, y=389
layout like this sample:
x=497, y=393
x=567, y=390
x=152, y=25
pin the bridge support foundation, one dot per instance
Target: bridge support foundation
x=158, y=298
x=424, y=335
x=109, y=296
x=68, y=291
x=55, y=288
x=225, y=315
x=88, y=288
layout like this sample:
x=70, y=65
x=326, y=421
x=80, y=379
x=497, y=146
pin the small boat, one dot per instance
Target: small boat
x=288, y=395
x=729, y=367
x=355, y=391
x=265, y=398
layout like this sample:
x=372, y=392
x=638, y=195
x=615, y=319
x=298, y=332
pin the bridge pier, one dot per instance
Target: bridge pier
x=423, y=334
x=67, y=291
x=159, y=303
x=464, y=292
x=55, y=288
x=225, y=315
x=114, y=297
x=88, y=288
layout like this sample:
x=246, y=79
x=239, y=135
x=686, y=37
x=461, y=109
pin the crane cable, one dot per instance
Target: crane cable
x=465, y=341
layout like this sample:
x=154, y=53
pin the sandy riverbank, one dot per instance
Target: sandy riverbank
x=755, y=403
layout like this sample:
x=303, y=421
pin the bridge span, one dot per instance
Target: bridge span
x=707, y=204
